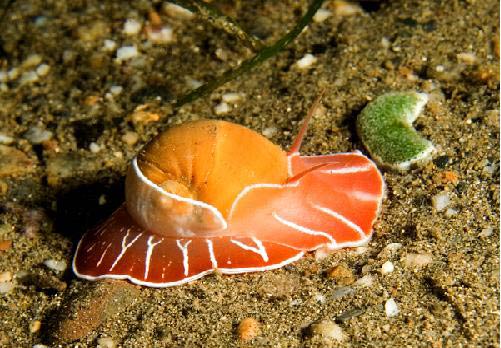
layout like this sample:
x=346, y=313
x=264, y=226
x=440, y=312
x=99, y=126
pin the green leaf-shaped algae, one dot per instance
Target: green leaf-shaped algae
x=385, y=127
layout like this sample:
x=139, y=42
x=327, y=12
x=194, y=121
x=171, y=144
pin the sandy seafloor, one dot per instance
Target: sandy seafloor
x=53, y=186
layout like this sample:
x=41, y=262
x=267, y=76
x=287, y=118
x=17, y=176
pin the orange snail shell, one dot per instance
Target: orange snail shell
x=207, y=162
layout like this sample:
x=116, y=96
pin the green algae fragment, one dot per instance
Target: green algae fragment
x=385, y=127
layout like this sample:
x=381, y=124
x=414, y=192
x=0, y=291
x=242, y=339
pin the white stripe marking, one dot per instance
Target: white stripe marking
x=149, y=251
x=102, y=256
x=213, y=260
x=260, y=249
x=347, y=170
x=304, y=229
x=365, y=196
x=341, y=218
x=184, y=251
x=124, y=248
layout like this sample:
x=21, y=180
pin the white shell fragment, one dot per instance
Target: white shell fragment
x=418, y=260
x=391, y=308
x=131, y=27
x=306, y=62
x=126, y=53
x=321, y=15
x=441, y=201
x=387, y=267
x=162, y=35
x=56, y=265
x=37, y=135
x=222, y=108
x=232, y=97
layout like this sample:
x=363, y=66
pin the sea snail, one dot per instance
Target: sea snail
x=213, y=195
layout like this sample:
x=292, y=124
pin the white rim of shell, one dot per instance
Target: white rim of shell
x=214, y=210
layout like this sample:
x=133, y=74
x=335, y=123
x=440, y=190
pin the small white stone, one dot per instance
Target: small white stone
x=366, y=281
x=467, y=58
x=40, y=346
x=106, y=342
x=13, y=73
x=164, y=35
x=387, y=267
x=42, y=70
x=231, y=98
x=131, y=27
x=360, y=250
x=56, y=265
x=306, y=62
x=451, y=212
x=94, y=147
x=28, y=77
x=418, y=260
x=320, y=298
x=4, y=76
x=393, y=246
x=222, y=108
x=391, y=308
x=109, y=45
x=102, y=200
x=321, y=15
x=6, y=287
x=440, y=201
x=5, y=139
x=174, y=10
x=37, y=135
x=116, y=90
x=269, y=131
x=439, y=68
x=126, y=52
x=385, y=42
x=328, y=330
x=192, y=83
x=486, y=232
x=32, y=60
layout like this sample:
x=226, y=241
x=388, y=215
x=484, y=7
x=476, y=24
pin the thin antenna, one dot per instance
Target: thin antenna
x=304, y=127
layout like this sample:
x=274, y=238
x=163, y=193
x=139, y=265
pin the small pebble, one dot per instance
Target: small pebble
x=5, y=276
x=130, y=138
x=5, y=139
x=192, y=83
x=102, y=199
x=5, y=245
x=387, y=267
x=106, y=342
x=328, y=330
x=486, y=232
x=393, y=246
x=306, y=62
x=131, y=27
x=94, y=147
x=231, y=98
x=451, y=212
x=56, y=265
x=366, y=281
x=176, y=11
x=31, y=61
x=142, y=115
x=391, y=308
x=341, y=274
x=109, y=45
x=440, y=201
x=35, y=326
x=6, y=287
x=417, y=260
x=162, y=35
x=467, y=58
x=345, y=8
x=37, y=135
x=126, y=53
x=248, y=328
x=40, y=346
x=28, y=77
x=116, y=90
x=321, y=15
x=269, y=132
x=42, y=70
x=222, y=108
